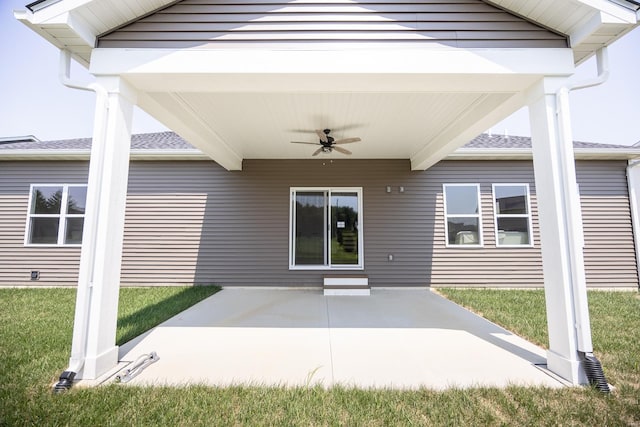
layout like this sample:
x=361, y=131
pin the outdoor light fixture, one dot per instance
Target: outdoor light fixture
x=388, y=189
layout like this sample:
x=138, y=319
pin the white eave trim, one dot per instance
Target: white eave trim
x=194, y=154
x=136, y=154
x=526, y=154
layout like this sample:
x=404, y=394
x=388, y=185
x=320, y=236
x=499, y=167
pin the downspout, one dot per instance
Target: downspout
x=593, y=369
x=633, y=179
x=85, y=280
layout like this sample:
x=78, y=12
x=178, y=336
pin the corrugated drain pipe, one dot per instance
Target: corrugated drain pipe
x=592, y=366
x=85, y=280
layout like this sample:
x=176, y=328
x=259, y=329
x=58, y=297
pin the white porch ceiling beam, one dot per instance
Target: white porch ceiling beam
x=448, y=70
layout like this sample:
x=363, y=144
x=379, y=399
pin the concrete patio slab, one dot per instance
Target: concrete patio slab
x=394, y=338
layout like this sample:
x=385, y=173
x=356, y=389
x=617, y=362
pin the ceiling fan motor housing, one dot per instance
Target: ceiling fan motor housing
x=329, y=142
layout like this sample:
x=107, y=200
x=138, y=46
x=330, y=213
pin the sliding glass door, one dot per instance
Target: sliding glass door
x=311, y=229
x=326, y=228
x=344, y=228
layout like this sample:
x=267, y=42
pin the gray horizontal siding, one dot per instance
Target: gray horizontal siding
x=609, y=247
x=490, y=265
x=194, y=222
x=57, y=265
x=460, y=23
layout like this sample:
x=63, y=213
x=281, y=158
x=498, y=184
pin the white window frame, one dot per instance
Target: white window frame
x=328, y=266
x=447, y=216
x=63, y=216
x=528, y=215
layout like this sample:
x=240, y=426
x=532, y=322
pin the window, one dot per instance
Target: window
x=326, y=228
x=462, y=213
x=56, y=214
x=512, y=215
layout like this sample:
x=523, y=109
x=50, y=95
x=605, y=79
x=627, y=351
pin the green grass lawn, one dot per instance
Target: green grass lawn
x=35, y=329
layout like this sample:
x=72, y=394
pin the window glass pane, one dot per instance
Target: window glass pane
x=462, y=200
x=73, y=234
x=46, y=200
x=463, y=231
x=76, y=200
x=344, y=228
x=511, y=199
x=513, y=231
x=310, y=228
x=44, y=230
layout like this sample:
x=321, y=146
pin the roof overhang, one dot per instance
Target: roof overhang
x=406, y=102
x=75, y=25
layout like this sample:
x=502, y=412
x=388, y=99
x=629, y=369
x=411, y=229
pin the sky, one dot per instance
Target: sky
x=34, y=102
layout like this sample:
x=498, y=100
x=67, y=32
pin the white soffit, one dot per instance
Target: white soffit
x=75, y=24
x=590, y=24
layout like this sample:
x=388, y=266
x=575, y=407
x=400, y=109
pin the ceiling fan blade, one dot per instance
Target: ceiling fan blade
x=342, y=150
x=318, y=151
x=347, y=140
x=303, y=142
x=321, y=135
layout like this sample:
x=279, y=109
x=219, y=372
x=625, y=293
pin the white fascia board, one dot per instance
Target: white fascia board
x=490, y=154
x=526, y=154
x=197, y=155
x=44, y=154
x=612, y=9
x=136, y=154
x=53, y=11
x=589, y=153
x=189, y=154
x=181, y=70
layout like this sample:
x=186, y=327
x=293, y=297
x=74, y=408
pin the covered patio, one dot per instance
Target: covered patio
x=403, y=339
x=279, y=72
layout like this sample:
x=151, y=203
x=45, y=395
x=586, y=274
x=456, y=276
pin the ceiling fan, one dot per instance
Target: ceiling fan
x=328, y=143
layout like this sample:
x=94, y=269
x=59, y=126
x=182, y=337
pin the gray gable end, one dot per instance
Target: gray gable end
x=233, y=23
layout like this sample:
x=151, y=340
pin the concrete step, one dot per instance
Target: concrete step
x=346, y=285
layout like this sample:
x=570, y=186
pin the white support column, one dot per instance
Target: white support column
x=93, y=349
x=561, y=231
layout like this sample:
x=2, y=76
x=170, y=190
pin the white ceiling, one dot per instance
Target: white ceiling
x=262, y=126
